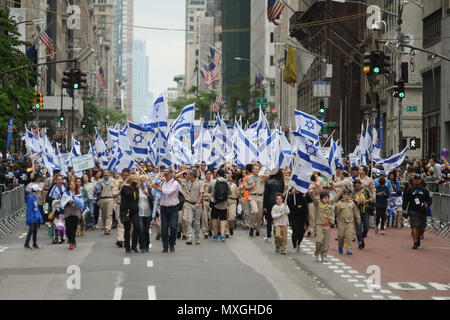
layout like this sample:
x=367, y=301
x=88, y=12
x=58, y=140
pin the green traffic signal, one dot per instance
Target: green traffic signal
x=38, y=106
x=322, y=110
x=75, y=85
x=401, y=95
x=376, y=70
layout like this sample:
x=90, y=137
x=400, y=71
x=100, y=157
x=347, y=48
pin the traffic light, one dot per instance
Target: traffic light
x=79, y=81
x=399, y=89
x=378, y=62
x=38, y=102
x=368, y=57
x=61, y=118
x=414, y=143
x=83, y=125
x=386, y=64
x=322, y=107
x=67, y=81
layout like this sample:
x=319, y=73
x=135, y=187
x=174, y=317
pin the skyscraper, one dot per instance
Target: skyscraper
x=140, y=80
x=127, y=54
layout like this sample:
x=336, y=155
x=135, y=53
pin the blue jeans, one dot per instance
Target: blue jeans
x=144, y=238
x=32, y=232
x=169, y=220
x=363, y=228
x=89, y=219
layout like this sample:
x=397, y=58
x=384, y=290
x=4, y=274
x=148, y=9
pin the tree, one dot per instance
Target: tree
x=16, y=88
x=202, y=104
x=242, y=96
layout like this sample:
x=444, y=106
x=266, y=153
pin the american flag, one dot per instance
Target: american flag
x=274, y=9
x=210, y=75
x=101, y=78
x=215, y=104
x=215, y=56
x=46, y=38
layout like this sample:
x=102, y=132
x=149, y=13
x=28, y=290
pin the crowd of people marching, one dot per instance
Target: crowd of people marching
x=194, y=203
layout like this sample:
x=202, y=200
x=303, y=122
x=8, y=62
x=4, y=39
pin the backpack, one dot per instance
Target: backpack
x=181, y=199
x=220, y=191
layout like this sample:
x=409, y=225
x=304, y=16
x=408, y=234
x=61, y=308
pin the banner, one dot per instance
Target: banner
x=63, y=161
x=9, y=134
x=84, y=162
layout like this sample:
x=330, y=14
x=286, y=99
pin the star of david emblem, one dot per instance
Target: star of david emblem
x=309, y=124
x=311, y=149
x=181, y=119
x=165, y=144
x=138, y=138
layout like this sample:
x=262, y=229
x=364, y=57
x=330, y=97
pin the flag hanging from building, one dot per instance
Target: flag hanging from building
x=215, y=104
x=259, y=80
x=101, y=78
x=274, y=9
x=46, y=38
x=290, y=73
x=215, y=56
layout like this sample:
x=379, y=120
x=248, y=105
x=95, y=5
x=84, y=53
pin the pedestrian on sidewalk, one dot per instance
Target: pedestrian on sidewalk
x=129, y=211
x=347, y=212
x=33, y=216
x=298, y=207
x=280, y=218
x=417, y=200
x=219, y=190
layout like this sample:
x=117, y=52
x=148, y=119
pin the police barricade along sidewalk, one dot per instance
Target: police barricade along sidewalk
x=12, y=210
x=439, y=223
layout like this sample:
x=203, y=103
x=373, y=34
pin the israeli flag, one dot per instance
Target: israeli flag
x=302, y=171
x=76, y=148
x=113, y=138
x=376, y=146
x=332, y=156
x=183, y=123
x=121, y=161
x=181, y=155
x=395, y=161
x=32, y=142
x=268, y=152
x=139, y=138
x=160, y=149
x=338, y=160
x=317, y=158
x=286, y=156
x=203, y=145
x=308, y=125
x=245, y=151
x=156, y=117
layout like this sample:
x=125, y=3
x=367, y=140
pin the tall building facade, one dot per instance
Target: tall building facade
x=195, y=9
x=140, y=80
x=127, y=55
x=235, y=15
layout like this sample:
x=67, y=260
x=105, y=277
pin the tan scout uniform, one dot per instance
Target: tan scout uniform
x=312, y=210
x=245, y=215
x=116, y=192
x=347, y=212
x=182, y=215
x=106, y=203
x=324, y=218
x=256, y=190
x=206, y=211
x=194, y=208
x=232, y=206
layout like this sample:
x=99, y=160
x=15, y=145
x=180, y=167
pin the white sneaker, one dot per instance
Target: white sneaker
x=382, y=232
x=324, y=259
x=267, y=239
x=317, y=258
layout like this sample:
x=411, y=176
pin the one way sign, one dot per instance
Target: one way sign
x=414, y=143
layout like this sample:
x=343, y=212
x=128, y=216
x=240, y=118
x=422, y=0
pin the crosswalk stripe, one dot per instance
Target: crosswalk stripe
x=149, y=263
x=118, y=293
x=126, y=261
x=151, y=293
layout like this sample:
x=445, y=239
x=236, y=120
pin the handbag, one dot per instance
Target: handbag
x=125, y=216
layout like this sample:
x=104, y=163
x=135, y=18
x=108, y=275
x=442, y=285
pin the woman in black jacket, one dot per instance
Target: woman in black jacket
x=298, y=207
x=129, y=211
x=274, y=185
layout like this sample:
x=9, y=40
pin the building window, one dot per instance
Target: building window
x=271, y=37
x=432, y=29
x=271, y=61
x=432, y=91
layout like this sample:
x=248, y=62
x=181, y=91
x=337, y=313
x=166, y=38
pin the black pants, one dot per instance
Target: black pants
x=269, y=220
x=298, y=227
x=134, y=219
x=32, y=231
x=381, y=214
x=71, y=228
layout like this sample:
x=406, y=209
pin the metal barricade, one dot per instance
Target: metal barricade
x=439, y=223
x=12, y=210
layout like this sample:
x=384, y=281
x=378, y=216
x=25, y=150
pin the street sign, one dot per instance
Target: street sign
x=261, y=102
x=410, y=108
x=412, y=69
x=322, y=89
x=31, y=123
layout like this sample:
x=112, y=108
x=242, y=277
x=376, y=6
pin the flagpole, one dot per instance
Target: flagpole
x=329, y=137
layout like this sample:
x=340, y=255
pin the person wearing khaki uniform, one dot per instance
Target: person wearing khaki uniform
x=324, y=218
x=182, y=179
x=117, y=186
x=232, y=205
x=255, y=186
x=193, y=206
x=106, y=202
x=206, y=210
x=313, y=187
x=346, y=211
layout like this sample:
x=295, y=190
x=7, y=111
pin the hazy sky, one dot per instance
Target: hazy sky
x=165, y=49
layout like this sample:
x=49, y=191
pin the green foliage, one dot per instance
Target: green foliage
x=202, y=104
x=243, y=95
x=16, y=88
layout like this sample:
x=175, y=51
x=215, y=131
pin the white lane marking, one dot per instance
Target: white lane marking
x=360, y=277
x=377, y=297
x=340, y=264
x=352, y=280
x=149, y=264
x=440, y=298
x=333, y=259
x=150, y=245
x=345, y=276
x=395, y=297
x=368, y=291
x=333, y=267
x=346, y=267
x=151, y=292
x=386, y=291
x=126, y=261
x=118, y=293
x=339, y=271
x=20, y=237
x=352, y=271
x=359, y=285
x=2, y=249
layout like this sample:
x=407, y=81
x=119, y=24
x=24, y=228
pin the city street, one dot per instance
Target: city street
x=241, y=268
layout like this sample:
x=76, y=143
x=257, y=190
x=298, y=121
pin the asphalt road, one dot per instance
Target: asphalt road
x=242, y=268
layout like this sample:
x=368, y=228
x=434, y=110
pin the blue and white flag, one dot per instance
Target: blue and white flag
x=181, y=155
x=245, y=151
x=395, y=161
x=9, y=133
x=124, y=143
x=302, y=169
x=120, y=161
x=156, y=117
x=184, y=122
x=160, y=149
x=317, y=158
x=308, y=125
x=139, y=138
x=203, y=145
x=377, y=141
x=269, y=151
x=332, y=156
x=32, y=142
x=338, y=160
x=56, y=193
x=286, y=156
x=113, y=138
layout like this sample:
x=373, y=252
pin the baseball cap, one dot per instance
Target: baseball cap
x=167, y=171
x=36, y=187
